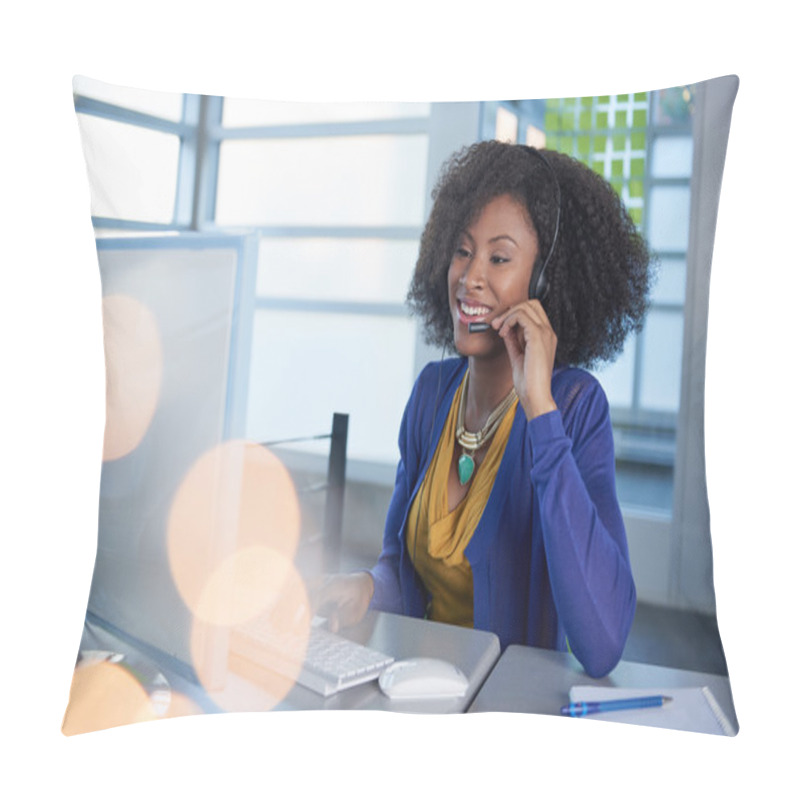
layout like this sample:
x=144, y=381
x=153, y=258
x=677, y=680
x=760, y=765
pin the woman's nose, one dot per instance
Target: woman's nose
x=473, y=274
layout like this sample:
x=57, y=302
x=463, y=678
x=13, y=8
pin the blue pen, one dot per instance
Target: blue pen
x=582, y=709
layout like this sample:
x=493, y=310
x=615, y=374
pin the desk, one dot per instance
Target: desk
x=532, y=680
x=523, y=679
x=474, y=652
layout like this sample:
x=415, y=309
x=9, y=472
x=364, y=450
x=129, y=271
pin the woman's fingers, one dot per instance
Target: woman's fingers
x=523, y=326
x=531, y=346
x=530, y=311
x=343, y=599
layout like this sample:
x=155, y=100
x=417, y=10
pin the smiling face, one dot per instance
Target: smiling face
x=490, y=272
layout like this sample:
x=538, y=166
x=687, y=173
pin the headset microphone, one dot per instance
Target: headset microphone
x=478, y=327
x=538, y=287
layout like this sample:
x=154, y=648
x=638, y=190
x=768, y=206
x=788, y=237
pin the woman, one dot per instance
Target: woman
x=504, y=514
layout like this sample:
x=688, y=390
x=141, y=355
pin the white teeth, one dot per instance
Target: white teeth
x=474, y=311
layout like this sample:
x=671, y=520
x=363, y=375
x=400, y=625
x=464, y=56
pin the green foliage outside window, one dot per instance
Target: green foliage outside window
x=608, y=134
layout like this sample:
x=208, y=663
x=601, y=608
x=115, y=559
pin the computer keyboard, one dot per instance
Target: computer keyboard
x=330, y=662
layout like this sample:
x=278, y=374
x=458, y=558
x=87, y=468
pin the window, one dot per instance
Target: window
x=336, y=195
x=147, y=142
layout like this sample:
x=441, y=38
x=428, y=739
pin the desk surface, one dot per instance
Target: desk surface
x=532, y=680
x=523, y=679
x=473, y=652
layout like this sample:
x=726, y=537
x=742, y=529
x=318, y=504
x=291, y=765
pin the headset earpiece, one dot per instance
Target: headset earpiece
x=539, y=284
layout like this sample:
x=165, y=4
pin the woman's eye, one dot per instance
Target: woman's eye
x=499, y=260
x=462, y=252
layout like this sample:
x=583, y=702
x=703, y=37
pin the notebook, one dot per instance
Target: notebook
x=692, y=709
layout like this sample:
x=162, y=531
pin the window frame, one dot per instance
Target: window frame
x=201, y=133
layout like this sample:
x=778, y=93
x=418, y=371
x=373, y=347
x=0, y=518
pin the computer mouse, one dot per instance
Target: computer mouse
x=422, y=678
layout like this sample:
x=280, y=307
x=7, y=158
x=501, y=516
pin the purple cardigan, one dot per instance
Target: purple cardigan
x=549, y=557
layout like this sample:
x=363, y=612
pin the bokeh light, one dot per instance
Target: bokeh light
x=105, y=695
x=239, y=673
x=235, y=499
x=243, y=586
x=134, y=373
x=233, y=531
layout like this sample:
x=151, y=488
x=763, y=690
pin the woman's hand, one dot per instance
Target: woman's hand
x=531, y=345
x=344, y=599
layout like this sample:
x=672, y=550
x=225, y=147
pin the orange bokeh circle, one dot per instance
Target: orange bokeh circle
x=238, y=674
x=234, y=498
x=134, y=373
x=105, y=695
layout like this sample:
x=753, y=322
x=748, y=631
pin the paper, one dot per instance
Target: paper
x=692, y=709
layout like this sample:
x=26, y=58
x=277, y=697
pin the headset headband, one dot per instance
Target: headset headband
x=539, y=285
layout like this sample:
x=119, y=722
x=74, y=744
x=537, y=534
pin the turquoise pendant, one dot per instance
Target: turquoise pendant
x=466, y=466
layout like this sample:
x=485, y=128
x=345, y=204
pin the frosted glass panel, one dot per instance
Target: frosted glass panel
x=364, y=270
x=668, y=218
x=190, y=295
x=353, y=180
x=305, y=366
x=672, y=157
x=168, y=105
x=661, y=367
x=617, y=377
x=244, y=113
x=670, y=286
x=132, y=171
x=506, y=126
x=535, y=137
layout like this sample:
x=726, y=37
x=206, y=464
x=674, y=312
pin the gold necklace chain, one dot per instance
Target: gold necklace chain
x=474, y=441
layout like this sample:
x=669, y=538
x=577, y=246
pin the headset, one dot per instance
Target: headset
x=539, y=285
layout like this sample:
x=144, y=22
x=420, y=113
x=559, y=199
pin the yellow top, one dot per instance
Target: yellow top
x=437, y=537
